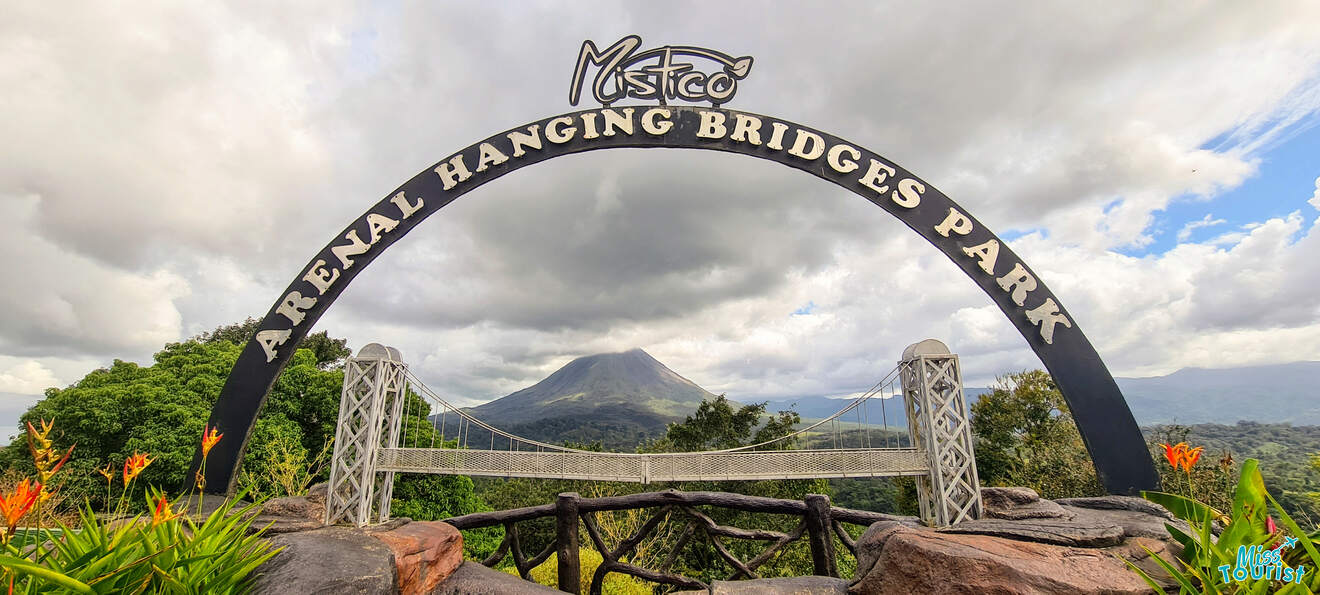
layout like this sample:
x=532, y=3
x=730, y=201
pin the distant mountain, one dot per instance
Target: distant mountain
x=877, y=413
x=619, y=398
x=623, y=399
x=1279, y=393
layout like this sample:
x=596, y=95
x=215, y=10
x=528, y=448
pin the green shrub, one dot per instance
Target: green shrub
x=615, y=584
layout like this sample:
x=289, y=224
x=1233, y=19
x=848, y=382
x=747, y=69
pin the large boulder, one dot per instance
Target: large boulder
x=327, y=560
x=1023, y=544
x=425, y=553
x=923, y=561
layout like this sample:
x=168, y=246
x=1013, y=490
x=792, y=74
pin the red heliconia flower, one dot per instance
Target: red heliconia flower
x=134, y=465
x=209, y=437
x=162, y=513
x=1270, y=526
x=1174, y=454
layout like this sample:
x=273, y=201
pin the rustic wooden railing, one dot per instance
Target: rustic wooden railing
x=819, y=520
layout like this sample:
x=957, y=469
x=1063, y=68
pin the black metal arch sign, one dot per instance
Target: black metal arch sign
x=1106, y=424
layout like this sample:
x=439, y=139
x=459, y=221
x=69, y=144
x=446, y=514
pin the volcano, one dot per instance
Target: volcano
x=620, y=399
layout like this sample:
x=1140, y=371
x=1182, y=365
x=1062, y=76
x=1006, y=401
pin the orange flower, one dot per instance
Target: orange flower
x=18, y=503
x=134, y=465
x=1174, y=454
x=1190, y=457
x=162, y=512
x=1180, y=456
x=209, y=438
x=201, y=480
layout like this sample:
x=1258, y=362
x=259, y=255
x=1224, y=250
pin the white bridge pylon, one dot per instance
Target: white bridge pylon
x=380, y=433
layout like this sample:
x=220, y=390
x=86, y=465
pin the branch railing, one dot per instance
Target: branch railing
x=819, y=524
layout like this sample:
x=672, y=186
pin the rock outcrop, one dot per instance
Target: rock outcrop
x=401, y=556
x=1023, y=545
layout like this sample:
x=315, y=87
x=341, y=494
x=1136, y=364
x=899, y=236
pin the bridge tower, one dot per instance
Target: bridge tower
x=940, y=426
x=370, y=413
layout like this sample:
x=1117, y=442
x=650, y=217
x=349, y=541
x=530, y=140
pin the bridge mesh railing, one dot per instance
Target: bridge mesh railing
x=646, y=468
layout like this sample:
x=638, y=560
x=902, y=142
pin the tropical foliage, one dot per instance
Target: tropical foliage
x=116, y=553
x=1241, y=550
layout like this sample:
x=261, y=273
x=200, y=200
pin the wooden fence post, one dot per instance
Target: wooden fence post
x=566, y=543
x=819, y=536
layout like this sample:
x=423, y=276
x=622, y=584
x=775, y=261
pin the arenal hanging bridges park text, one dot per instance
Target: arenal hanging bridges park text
x=872, y=173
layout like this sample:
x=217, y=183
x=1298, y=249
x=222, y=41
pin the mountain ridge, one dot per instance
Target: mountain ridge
x=627, y=397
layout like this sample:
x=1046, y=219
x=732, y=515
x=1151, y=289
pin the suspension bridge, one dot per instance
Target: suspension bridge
x=379, y=434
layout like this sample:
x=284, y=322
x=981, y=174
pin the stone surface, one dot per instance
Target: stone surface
x=327, y=560
x=1075, y=533
x=1128, y=503
x=1018, y=503
x=872, y=543
x=425, y=553
x=471, y=578
x=293, y=513
x=925, y=561
x=1134, y=524
x=798, y=585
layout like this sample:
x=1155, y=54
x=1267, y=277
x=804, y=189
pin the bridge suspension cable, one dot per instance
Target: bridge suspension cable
x=382, y=429
x=883, y=390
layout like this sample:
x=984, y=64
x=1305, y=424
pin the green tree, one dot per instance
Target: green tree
x=329, y=353
x=1025, y=436
x=717, y=425
x=161, y=409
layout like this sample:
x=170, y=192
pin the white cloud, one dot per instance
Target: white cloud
x=1315, y=198
x=169, y=168
x=27, y=378
x=68, y=304
x=1185, y=233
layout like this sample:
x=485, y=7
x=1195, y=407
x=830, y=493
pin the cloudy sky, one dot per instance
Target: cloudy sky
x=169, y=168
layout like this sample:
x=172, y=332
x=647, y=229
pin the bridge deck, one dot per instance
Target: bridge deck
x=646, y=468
